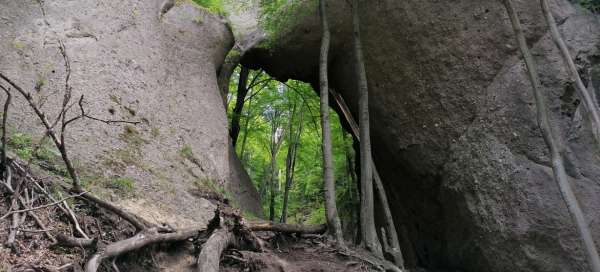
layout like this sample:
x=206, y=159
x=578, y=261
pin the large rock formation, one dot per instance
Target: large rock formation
x=144, y=61
x=454, y=129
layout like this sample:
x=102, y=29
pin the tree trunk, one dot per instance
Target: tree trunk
x=367, y=218
x=393, y=244
x=288, y=228
x=234, y=131
x=246, y=126
x=333, y=220
x=272, y=188
x=210, y=255
x=290, y=164
x=552, y=141
x=588, y=101
x=392, y=235
x=276, y=139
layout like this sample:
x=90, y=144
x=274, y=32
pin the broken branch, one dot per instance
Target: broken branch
x=288, y=228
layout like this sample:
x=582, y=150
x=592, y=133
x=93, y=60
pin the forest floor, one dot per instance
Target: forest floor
x=34, y=248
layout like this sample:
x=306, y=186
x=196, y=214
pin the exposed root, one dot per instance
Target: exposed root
x=142, y=239
x=210, y=255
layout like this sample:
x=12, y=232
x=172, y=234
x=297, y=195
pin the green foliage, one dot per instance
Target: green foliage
x=278, y=16
x=43, y=153
x=306, y=202
x=186, y=152
x=213, y=6
x=123, y=186
x=592, y=5
x=22, y=144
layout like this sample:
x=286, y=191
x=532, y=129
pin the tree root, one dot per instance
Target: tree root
x=210, y=255
x=142, y=239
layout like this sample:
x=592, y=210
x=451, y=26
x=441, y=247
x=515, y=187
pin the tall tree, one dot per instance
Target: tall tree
x=367, y=217
x=588, y=102
x=553, y=142
x=277, y=135
x=333, y=220
x=290, y=162
x=242, y=90
x=391, y=237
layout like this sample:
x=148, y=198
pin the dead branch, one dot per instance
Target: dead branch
x=49, y=130
x=4, y=128
x=44, y=206
x=73, y=219
x=142, y=239
x=69, y=241
x=210, y=255
x=138, y=223
x=288, y=228
x=14, y=228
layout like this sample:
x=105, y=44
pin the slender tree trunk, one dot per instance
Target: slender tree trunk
x=291, y=165
x=276, y=140
x=392, y=236
x=367, y=219
x=552, y=141
x=588, y=102
x=246, y=126
x=333, y=220
x=390, y=228
x=234, y=131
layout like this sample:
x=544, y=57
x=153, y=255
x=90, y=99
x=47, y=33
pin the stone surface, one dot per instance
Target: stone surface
x=453, y=125
x=131, y=62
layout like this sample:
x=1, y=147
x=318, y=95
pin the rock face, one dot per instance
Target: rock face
x=144, y=61
x=453, y=123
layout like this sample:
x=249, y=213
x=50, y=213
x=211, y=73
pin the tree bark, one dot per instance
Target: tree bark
x=290, y=164
x=275, y=145
x=210, y=255
x=242, y=90
x=588, y=102
x=552, y=141
x=142, y=239
x=367, y=218
x=288, y=228
x=333, y=220
x=390, y=227
x=246, y=126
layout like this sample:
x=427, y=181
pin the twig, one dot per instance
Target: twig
x=114, y=265
x=73, y=220
x=45, y=206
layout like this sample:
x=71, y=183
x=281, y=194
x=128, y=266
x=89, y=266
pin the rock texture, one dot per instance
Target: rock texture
x=454, y=130
x=144, y=61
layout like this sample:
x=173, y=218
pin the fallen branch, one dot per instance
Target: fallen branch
x=69, y=241
x=142, y=239
x=288, y=228
x=43, y=206
x=210, y=255
x=4, y=118
x=139, y=224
